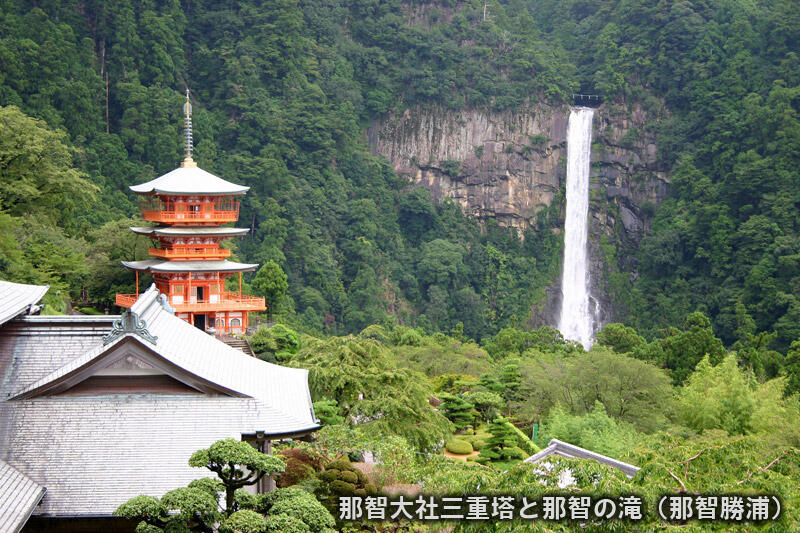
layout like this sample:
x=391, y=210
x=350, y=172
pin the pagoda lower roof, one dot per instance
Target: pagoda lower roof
x=160, y=265
x=188, y=230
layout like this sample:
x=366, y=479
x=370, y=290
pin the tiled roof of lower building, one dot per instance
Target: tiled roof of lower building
x=17, y=299
x=95, y=450
x=565, y=449
x=19, y=496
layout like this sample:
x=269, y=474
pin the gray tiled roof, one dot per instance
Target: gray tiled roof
x=19, y=495
x=95, y=451
x=565, y=449
x=160, y=265
x=189, y=180
x=17, y=298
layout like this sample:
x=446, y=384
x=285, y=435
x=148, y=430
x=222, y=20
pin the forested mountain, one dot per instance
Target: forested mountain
x=726, y=240
x=283, y=90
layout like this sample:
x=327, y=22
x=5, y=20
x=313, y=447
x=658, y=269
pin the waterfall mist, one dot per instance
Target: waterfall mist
x=577, y=320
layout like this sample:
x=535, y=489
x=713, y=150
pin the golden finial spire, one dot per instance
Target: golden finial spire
x=187, y=112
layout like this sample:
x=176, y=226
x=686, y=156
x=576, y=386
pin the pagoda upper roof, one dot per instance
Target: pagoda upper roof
x=189, y=180
x=160, y=265
x=188, y=230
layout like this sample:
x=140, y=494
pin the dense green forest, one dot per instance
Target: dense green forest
x=281, y=91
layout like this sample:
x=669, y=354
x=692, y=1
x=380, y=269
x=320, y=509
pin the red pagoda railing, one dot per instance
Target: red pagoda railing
x=229, y=301
x=212, y=216
x=191, y=252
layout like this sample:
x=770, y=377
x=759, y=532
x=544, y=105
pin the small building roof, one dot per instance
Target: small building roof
x=95, y=448
x=160, y=265
x=189, y=180
x=565, y=449
x=19, y=496
x=179, y=231
x=17, y=299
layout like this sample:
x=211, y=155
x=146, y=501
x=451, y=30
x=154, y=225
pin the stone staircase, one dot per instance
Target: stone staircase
x=239, y=343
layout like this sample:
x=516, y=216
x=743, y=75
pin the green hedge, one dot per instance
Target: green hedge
x=459, y=446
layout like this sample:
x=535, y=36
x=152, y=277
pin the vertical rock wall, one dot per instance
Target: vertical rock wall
x=509, y=165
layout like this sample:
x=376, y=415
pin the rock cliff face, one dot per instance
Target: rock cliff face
x=510, y=165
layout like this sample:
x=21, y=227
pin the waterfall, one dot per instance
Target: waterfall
x=577, y=321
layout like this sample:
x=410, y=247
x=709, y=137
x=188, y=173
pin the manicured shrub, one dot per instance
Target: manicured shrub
x=299, y=466
x=478, y=441
x=459, y=446
x=348, y=476
x=244, y=521
x=342, y=487
x=286, y=524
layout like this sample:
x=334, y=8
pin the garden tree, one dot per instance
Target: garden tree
x=487, y=403
x=328, y=412
x=191, y=508
x=630, y=389
x=288, y=509
x=457, y=410
x=593, y=430
x=453, y=383
x=270, y=282
x=237, y=464
x=275, y=343
x=717, y=397
x=510, y=378
x=361, y=376
x=437, y=355
x=502, y=445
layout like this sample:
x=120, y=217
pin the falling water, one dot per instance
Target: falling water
x=576, y=322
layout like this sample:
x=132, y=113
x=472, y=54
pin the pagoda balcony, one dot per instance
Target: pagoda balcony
x=229, y=301
x=191, y=252
x=212, y=216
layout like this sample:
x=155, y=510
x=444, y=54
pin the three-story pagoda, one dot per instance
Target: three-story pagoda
x=187, y=208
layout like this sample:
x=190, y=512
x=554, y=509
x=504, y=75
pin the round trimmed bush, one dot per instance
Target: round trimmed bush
x=341, y=487
x=244, y=521
x=286, y=524
x=478, y=444
x=460, y=447
x=348, y=477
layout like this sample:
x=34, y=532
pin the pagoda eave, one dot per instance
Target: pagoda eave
x=189, y=231
x=155, y=265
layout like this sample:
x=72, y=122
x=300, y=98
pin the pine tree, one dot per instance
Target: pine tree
x=502, y=445
x=457, y=410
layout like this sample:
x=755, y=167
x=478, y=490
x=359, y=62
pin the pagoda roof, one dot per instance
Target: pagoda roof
x=188, y=230
x=189, y=180
x=160, y=265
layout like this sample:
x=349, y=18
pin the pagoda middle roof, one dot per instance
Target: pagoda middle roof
x=160, y=265
x=189, y=180
x=188, y=230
